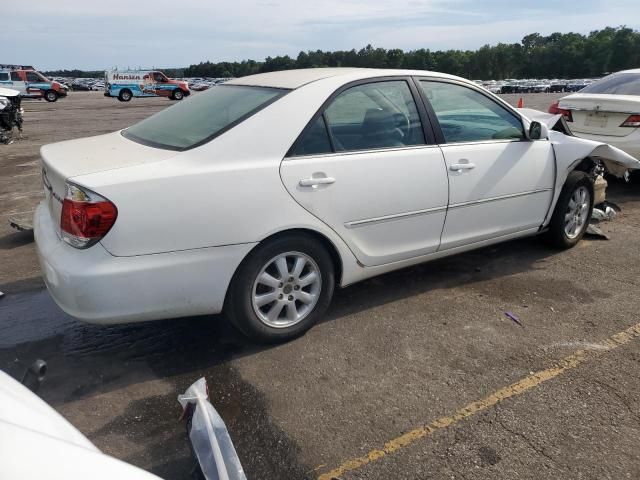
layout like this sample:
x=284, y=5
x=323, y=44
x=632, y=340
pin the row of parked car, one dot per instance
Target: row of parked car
x=535, y=86
x=83, y=84
x=201, y=84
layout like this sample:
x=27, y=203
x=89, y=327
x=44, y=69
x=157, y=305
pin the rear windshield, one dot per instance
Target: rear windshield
x=617, y=84
x=199, y=119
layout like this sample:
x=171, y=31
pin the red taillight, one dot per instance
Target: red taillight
x=633, y=121
x=553, y=108
x=86, y=217
x=556, y=110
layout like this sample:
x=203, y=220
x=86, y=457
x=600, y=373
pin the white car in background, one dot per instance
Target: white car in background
x=258, y=196
x=607, y=110
x=37, y=443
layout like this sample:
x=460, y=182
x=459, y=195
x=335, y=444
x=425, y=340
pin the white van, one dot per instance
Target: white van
x=143, y=83
x=30, y=83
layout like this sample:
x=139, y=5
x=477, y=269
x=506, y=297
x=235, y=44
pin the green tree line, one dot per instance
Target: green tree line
x=559, y=55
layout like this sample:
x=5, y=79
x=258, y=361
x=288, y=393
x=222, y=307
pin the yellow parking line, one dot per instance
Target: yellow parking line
x=517, y=388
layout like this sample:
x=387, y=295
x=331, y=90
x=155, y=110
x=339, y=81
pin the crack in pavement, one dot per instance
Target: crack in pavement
x=536, y=448
x=619, y=396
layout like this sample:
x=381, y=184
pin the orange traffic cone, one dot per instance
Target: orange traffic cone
x=520, y=103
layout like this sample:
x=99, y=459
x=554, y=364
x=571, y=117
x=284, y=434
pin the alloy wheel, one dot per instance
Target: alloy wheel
x=286, y=290
x=577, y=212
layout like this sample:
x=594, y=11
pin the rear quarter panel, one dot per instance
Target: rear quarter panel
x=225, y=192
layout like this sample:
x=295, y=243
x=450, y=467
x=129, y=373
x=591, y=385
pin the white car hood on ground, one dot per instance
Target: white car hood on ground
x=29, y=455
x=36, y=443
x=570, y=150
x=22, y=408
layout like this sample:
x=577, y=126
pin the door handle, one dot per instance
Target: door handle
x=457, y=167
x=315, y=181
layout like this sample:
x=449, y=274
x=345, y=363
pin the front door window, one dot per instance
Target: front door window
x=466, y=115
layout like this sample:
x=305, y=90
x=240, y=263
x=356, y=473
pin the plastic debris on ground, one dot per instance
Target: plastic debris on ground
x=514, y=317
x=596, y=231
x=604, y=212
x=210, y=439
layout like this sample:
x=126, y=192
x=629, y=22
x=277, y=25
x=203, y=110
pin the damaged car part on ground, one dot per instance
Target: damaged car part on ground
x=210, y=440
x=28, y=425
x=37, y=442
x=10, y=114
x=338, y=175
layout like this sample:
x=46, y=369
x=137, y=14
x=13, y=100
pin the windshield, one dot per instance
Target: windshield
x=616, y=84
x=196, y=121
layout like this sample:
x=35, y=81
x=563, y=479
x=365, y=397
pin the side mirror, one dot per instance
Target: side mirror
x=538, y=131
x=535, y=131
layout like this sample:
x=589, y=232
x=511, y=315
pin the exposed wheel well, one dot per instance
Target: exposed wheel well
x=586, y=165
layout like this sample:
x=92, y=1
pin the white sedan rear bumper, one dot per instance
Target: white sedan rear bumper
x=97, y=287
x=629, y=144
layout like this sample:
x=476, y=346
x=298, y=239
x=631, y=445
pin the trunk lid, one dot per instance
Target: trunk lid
x=601, y=114
x=64, y=160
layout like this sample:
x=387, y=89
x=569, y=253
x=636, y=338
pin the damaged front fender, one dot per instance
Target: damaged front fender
x=570, y=151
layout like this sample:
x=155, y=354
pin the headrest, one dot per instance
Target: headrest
x=377, y=121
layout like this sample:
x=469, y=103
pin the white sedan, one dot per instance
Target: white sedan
x=259, y=196
x=606, y=111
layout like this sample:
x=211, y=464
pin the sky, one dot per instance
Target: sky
x=144, y=33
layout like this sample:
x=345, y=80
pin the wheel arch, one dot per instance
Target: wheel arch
x=328, y=244
x=585, y=165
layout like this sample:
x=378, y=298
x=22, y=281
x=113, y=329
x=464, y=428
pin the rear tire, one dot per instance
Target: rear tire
x=573, y=211
x=125, y=95
x=177, y=94
x=50, y=95
x=281, y=289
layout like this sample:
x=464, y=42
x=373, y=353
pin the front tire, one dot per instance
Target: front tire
x=573, y=211
x=125, y=95
x=281, y=289
x=50, y=95
x=177, y=94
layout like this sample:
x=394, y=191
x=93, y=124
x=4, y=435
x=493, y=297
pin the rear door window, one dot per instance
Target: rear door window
x=4, y=76
x=374, y=115
x=15, y=77
x=314, y=141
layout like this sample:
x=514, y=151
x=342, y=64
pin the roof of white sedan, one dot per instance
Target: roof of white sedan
x=292, y=79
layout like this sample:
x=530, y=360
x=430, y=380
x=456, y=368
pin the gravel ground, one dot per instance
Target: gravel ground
x=395, y=353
